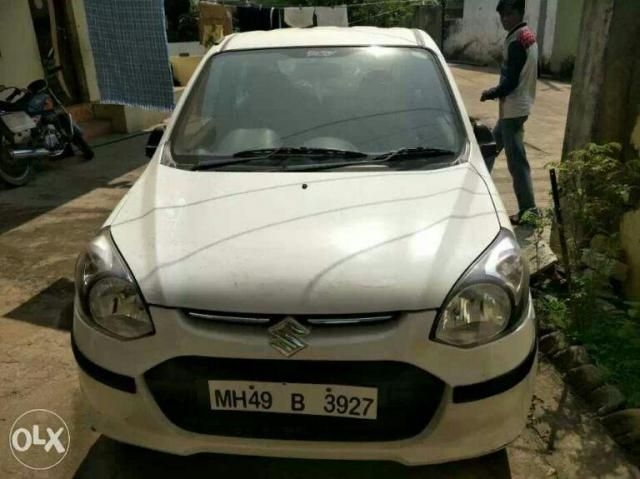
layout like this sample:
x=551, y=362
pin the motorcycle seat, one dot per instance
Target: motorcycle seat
x=7, y=106
x=37, y=86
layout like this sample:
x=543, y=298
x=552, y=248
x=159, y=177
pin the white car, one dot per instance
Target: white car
x=314, y=264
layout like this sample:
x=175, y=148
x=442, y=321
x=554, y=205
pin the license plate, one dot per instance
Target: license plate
x=295, y=398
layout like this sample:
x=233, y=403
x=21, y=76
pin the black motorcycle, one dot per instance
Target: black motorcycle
x=34, y=124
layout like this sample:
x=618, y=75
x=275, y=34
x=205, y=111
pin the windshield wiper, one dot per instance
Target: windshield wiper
x=415, y=152
x=298, y=151
x=282, y=152
x=402, y=154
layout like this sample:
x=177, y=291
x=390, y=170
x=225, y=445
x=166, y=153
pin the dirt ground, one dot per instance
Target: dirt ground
x=43, y=227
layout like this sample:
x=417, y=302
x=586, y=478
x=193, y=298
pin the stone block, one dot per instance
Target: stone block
x=622, y=422
x=552, y=343
x=586, y=378
x=606, y=399
x=631, y=439
x=545, y=326
x=570, y=358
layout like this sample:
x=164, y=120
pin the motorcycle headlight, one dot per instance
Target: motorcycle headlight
x=488, y=299
x=107, y=294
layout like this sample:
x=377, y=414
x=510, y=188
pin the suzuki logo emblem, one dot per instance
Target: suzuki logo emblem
x=286, y=337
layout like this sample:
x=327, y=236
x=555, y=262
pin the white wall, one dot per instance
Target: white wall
x=550, y=30
x=192, y=48
x=567, y=34
x=479, y=35
x=533, y=18
x=20, y=61
x=88, y=64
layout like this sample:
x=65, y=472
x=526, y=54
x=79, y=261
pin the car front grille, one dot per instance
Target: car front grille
x=270, y=319
x=408, y=398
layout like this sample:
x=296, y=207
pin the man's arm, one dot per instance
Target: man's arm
x=510, y=77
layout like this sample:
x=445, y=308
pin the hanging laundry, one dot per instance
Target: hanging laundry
x=252, y=18
x=129, y=45
x=332, y=16
x=215, y=22
x=277, y=18
x=299, y=17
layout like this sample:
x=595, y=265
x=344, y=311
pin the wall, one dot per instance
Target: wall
x=630, y=241
x=630, y=232
x=183, y=67
x=479, y=36
x=567, y=34
x=605, y=97
x=192, y=48
x=549, y=11
x=19, y=56
x=80, y=18
x=589, y=75
x=131, y=119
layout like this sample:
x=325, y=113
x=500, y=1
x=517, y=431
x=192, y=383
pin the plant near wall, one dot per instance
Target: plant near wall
x=597, y=188
x=538, y=221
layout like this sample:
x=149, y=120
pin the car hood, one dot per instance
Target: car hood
x=303, y=243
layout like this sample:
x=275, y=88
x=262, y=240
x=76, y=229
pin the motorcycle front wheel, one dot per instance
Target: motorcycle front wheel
x=14, y=172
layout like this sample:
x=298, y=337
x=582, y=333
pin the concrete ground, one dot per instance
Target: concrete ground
x=43, y=227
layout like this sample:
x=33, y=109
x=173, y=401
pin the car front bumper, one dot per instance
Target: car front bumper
x=481, y=406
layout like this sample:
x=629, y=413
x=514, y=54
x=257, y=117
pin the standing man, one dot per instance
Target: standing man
x=516, y=93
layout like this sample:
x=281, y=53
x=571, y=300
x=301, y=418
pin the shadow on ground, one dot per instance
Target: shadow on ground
x=51, y=307
x=570, y=433
x=57, y=182
x=109, y=459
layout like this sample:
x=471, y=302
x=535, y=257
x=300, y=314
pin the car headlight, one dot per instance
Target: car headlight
x=106, y=292
x=488, y=299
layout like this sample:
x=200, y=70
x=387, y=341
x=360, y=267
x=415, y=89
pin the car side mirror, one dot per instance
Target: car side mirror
x=486, y=141
x=153, y=141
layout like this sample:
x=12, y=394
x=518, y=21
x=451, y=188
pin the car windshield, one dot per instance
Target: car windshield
x=301, y=102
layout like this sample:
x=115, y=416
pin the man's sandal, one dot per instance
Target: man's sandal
x=524, y=217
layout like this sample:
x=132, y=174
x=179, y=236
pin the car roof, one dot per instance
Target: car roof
x=328, y=36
